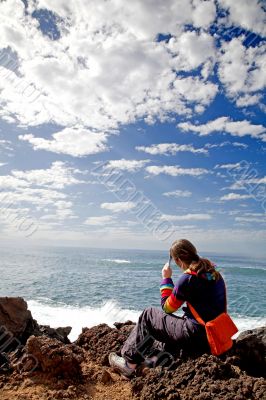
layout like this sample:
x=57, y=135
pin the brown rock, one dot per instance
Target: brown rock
x=55, y=333
x=208, y=377
x=17, y=325
x=250, y=351
x=15, y=321
x=54, y=357
x=120, y=325
x=237, y=375
x=106, y=377
x=100, y=340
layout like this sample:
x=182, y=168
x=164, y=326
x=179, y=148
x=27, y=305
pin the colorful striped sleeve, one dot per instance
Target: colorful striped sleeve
x=171, y=297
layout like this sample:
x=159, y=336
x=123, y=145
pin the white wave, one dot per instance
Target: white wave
x=47, y=312
x=55, y=315
x=117, y=260
x=246, y=323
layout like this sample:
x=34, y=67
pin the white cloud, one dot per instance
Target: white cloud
x=225, y=124
x=252, y=214
x=244, y=184
x=40, y=200
x=242, y=71
x=236, y=196
x=57, y=177
x=64, y=210
x=6, y=145
x=227, y=143
x=99, y=221
x=73, y=141
x=37, y=189
x=204, y=13
x=235, y=186
x=143, y=20
x=120, y=206
x=104, y=70
x=186, y=217
x=258, y=181
x=247, y=14
x=248, y=100
x=261, y=220
x=126, y=165
x=175, y=170
x=178, y=193
x=170, y=148
x=195, y=90
x=8, y=181
x=192, y=49
x=228, y=166
x=36, y=196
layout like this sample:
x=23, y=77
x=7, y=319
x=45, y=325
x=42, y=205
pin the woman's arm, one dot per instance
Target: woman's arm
x=171, y=296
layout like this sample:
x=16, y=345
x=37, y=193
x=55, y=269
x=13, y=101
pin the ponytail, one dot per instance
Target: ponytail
x=187, y=252
x=203, y=266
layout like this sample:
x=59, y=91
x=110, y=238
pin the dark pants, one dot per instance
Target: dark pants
x=172, y=332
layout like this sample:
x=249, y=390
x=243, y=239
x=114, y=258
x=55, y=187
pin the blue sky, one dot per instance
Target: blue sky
x=167, y=98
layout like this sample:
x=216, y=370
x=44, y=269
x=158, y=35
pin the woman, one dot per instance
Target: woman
x=200, y=285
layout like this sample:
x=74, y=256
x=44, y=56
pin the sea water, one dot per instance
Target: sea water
x=83, y=287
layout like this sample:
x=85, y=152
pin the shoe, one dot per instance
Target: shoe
x=150, y=362
x=120, y=365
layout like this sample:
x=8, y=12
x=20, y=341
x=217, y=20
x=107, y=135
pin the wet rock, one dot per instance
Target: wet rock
x=16, y=322
x=55, y=333
x=249, y=352
x=17, y=325
x=120, y=325
x=54, y=357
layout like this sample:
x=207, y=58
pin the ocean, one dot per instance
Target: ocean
x=83, y=287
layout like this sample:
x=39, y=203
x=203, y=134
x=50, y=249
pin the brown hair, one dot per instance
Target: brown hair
x=187, y=252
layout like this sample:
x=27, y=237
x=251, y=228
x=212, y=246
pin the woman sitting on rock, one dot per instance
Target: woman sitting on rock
x=201, y=286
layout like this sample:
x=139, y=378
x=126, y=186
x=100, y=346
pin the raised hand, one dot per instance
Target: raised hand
x=167, y=271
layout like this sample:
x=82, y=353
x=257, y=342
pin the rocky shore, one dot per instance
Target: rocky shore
x=39, y=362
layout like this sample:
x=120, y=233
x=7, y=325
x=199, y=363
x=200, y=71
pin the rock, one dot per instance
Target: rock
x=17, y=325
x=120, y=325
x=69, y=370
x=4, y=363
x=54, y=357
x=100, y=340
x=55, y=333
x=249, y=351
x=106, y=377
x=64, y=332
x=15, y=322
x=207, y=377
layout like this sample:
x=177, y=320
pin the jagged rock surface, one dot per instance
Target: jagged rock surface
x=206, y=378
x=250, y=351
x=80, y=370
x=100, y=340
x=15, y=320
x=60, y=333
x=54, y=357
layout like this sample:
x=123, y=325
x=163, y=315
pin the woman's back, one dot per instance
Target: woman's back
x=206, y=295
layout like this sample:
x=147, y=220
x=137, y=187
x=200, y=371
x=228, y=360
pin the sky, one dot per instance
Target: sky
x=129, y=124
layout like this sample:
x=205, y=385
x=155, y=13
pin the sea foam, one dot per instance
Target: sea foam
x=117, y=260
x=47, y=312
x=55, y=315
